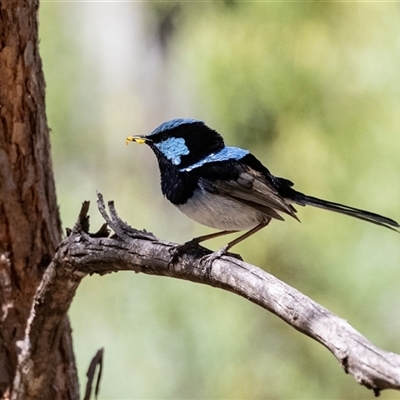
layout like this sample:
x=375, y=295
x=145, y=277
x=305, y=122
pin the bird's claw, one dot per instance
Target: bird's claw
x=209, y=259
x=206, y=260
x=176, y=251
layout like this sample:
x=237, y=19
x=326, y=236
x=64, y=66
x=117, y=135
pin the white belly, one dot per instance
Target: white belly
x=220, y=212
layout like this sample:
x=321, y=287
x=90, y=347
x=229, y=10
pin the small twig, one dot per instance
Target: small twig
x=82, y=224
x=121, y=228
x=97, y=360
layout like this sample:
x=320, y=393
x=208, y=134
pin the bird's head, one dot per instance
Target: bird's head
x=181, y=142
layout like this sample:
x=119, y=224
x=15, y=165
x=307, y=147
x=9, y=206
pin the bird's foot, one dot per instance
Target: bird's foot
x=209, y=259
x=177, y=251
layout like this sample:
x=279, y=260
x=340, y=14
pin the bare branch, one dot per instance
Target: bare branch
x=139, y=251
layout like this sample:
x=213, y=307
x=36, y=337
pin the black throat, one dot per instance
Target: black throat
x=176, y=186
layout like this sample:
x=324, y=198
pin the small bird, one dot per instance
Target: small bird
x=227, y=188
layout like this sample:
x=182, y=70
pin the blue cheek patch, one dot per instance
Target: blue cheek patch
x=173, y=149
x=226, y=154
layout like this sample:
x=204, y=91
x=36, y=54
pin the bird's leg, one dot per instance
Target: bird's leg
x=209, y=259
x=214, y=235
x=177, y=250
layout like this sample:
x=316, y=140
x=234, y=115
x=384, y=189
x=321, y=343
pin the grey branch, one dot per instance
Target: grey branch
x=81, y=253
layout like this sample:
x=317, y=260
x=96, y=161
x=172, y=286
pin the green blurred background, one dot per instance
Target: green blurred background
x=313, y=90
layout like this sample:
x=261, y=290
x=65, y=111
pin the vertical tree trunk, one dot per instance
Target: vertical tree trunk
x=30, y=226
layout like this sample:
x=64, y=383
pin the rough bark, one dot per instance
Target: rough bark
x=30, y=227
x=132, y=250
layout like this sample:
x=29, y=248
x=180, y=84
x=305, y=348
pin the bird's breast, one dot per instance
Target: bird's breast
x=220, y=212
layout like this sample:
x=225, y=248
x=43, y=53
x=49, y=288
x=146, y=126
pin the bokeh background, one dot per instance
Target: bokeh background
x=313, y=90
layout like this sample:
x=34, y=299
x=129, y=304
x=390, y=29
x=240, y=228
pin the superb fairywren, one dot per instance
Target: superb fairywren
x=227, y=187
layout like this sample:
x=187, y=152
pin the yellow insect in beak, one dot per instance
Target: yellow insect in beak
x=137, y=139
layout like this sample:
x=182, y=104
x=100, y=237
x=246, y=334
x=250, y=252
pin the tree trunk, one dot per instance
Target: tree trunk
x=30, y=227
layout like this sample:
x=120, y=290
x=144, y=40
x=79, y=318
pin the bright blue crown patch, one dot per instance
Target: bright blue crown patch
x=174, y=123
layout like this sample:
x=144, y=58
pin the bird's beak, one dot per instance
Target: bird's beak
x=137, y=139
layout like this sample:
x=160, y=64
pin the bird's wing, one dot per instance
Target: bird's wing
x=253, y=189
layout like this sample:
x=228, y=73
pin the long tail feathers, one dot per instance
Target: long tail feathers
x=377, y=219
